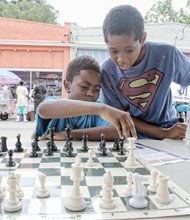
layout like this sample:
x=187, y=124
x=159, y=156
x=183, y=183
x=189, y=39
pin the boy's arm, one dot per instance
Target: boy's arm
x=177, y=131
x=94, y=134
x=64, y=108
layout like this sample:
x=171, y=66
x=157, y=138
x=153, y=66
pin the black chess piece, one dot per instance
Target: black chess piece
x=116, y=145
x=68, y=137
x=18, y=145
x=121, y=147
x=33, y=152
x=35, y=142
x=52, y=143
x=4, y=144
x=103, y=148
x=10, y=162
x=49, y=151
x=102, y=142
x=69, y=152
x=84, y=142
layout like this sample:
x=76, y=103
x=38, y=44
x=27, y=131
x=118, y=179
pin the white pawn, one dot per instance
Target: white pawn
x=90, y=162
x=75, y=201
x=43, y=192
x=131, y=160
x=107, y=201
x=153, y=181
x=2, y=193
x=128, y=189
x=20, y=192
x=162, y=194
x=12, y=204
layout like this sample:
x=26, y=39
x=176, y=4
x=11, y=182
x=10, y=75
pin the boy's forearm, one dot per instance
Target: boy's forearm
x=94, y=133
x=149, y=129
x=67, y=108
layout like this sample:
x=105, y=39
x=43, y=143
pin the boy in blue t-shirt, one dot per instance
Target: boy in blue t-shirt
x=137, y=76
x=82, y=82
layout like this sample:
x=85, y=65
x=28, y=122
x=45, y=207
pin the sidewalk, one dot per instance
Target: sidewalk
x=10, y=129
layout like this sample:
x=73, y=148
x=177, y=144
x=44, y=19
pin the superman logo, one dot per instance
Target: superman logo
x=140, y=91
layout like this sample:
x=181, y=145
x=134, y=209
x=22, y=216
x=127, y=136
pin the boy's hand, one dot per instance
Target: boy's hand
x=121, y=120
x=177, y=131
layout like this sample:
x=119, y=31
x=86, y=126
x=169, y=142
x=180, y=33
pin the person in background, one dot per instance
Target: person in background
x=22, y=102
x=82, y=83
x=38, y=94
x=137, y=76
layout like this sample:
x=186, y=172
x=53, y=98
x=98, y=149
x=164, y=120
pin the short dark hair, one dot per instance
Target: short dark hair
x=123, y=19
x=21, y=83
x=81, y=63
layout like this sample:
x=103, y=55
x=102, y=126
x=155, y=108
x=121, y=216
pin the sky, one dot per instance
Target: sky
x=91, y=13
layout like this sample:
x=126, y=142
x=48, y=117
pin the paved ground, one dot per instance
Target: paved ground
x=10, y=128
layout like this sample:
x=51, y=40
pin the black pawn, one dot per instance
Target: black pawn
x=84, y=142
x=52, y=143
x=33, y=153
x=102, y=142
x=36, y=142
x=121, y=147
x=116, y=145
x=4, y=144
x=68, y=137
x=18, y=145
x=70, y=150
x=49, y=151
x=103, y=149
x=10, y=162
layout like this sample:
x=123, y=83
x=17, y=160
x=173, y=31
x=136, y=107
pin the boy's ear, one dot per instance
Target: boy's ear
x=67, y=85
x=143, y=38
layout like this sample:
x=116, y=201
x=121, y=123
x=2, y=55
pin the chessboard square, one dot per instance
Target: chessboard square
x=142, y=171
x=66, y=164
x=50, y=165
x=119, y=189
x=119, y=180
x=44, y=206
x=94, y=191
x=50, y=171
x=108, y=154
x=29, y=165
x=27, y=181
x=174, y=202
x=67, y=180
x=50, y=159
x=67, y=159
x=66, y=171
x=111, y=165
x=94, y=180
x=107, y=159
x=50, y=181
x=93, y=172
x=119, y=205
x=117, y=172
x=28, y=192
x=94, y=166
x=31, y=160
x=18, y=155
x=121, y=159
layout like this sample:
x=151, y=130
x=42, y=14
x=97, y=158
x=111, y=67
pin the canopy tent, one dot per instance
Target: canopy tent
x=7, y=77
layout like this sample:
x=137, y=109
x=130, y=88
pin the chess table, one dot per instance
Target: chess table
x=57, y=169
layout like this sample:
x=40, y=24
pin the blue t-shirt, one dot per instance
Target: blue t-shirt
x=78, y=122
x=144, y=90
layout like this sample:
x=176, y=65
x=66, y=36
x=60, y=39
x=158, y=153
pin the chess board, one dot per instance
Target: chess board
x=57, y=169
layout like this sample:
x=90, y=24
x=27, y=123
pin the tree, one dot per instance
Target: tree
x=32, y=10
x=164, y=12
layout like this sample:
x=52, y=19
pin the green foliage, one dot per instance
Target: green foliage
x=162, y=12
x=32, y=10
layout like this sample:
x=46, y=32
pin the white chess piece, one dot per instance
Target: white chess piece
x=75, y=201
x=131, y=160
x=12, y=204
x=2, y=193
x=20, y=192
x=139, y=192
x=162, y=194
x=90, y=161
x=153, y=181
x=128, y=189
x=43, y=192
x=107, y=201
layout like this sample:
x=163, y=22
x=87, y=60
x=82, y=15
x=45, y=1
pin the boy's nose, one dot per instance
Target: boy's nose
x=90, y=93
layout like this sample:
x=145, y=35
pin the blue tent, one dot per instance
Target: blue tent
x=8, y=77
